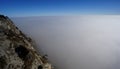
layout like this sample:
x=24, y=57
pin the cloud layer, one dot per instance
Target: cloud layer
x=76, y=42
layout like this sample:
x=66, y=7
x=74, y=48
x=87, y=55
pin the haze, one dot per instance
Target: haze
x=76, y=42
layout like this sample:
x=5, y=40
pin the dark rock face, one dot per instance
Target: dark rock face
x=3, y=62
x=40, y=67
x=16, y=49
x=21, y=51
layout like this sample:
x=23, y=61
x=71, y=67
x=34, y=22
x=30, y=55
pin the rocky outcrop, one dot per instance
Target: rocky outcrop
x=16, y=49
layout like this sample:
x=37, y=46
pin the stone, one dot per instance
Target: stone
x=17, y=50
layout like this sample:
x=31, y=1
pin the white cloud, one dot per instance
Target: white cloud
x=76, y=42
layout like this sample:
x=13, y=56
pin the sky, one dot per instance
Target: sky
x=23, y=8
x=75, y=42
x=88, y=41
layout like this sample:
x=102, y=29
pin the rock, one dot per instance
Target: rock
x=16, y=49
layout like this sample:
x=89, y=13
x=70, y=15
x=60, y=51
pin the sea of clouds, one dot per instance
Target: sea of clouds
x=76, y=42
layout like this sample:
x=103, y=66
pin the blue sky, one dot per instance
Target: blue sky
x=58, y=7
